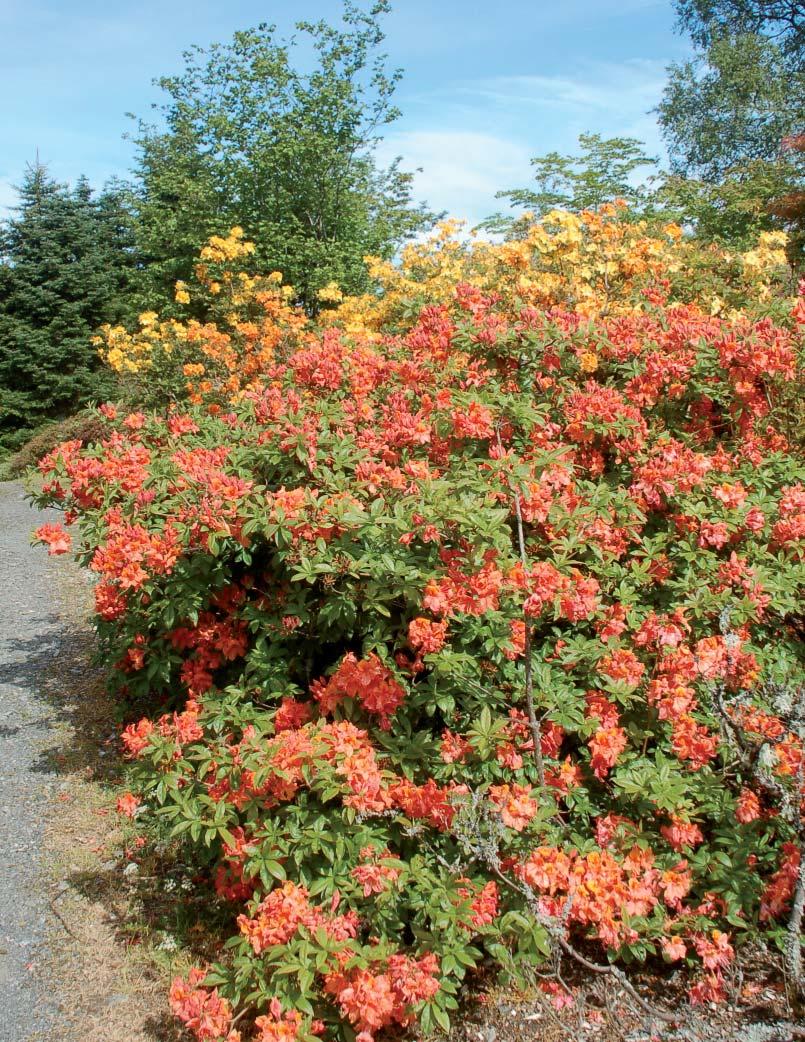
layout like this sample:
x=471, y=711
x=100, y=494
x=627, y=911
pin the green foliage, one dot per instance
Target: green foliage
x=65, y=262
x=733, y=104
x=251, y=139
x=603, y=171
x=782, y=20
x=728, y=114
x=736, y=209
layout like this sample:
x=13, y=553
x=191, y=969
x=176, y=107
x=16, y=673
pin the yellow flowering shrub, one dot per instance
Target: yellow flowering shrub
x=211, y=361
x=765, y=261
x=594, y=263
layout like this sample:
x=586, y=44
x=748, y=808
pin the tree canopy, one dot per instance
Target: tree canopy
x=782, y=21
x=279, y=137
x=730, y=114
x=604, y=169
x=732, y=104
x=65, y=264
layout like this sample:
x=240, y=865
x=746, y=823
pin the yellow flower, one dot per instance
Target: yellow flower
x=330, y=294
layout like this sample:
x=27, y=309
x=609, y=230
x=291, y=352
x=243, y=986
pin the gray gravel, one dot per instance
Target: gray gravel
x=30, y=632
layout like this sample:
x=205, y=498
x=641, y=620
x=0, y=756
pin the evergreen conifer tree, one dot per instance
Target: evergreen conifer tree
x=65, y=259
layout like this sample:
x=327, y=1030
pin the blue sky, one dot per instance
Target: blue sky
x=487, y=85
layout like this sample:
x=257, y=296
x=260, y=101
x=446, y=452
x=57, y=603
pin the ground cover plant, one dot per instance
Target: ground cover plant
x=460, y=627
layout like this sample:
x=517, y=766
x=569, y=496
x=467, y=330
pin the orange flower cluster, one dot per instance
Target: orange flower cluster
x=202, y=1010
x=179, y=728
x=515, y=804
x=372, y=875
x=427, y=637
x=55, y=538
x=484, y=903
x=601, y=893
x=368, y=681
x=374, y=999
x=283, y=911
x=279, y=1026
x=777, y=895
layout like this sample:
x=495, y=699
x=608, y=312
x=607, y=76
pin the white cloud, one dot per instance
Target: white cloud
x=610, y=97
x=473, y=139
x=461, y=169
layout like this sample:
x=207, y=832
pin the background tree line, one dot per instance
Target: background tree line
x=245, y=137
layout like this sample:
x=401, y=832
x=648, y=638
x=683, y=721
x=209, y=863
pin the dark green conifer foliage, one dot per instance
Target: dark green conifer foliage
x=65, y=260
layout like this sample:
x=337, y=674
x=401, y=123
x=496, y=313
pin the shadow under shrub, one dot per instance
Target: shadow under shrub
x=86, y=427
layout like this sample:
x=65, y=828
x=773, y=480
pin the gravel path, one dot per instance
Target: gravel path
x=30, y=634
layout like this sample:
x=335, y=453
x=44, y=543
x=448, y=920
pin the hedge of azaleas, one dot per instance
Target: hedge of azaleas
x=322, y=578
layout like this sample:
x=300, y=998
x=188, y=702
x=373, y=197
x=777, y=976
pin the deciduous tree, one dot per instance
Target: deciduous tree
x=250, y=137
x=605, y=169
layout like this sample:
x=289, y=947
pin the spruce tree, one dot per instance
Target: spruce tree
x=65, y=260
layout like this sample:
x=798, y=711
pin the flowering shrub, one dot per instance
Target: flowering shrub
x=246, y=318
x=593, y=263
x=441, y=622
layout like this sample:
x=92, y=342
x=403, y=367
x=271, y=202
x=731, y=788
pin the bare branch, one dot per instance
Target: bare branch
x=533, y=721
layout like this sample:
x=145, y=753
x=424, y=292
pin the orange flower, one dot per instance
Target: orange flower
x=515, y=804
x=682, y=833
x=368, y=681
x=127, y=804
x=748, y=807
x=201, y=1009
x=606, y=745
x=622, y=665
x=715, y=951
x=425, y=636
x=673, y=948
x=57, y=540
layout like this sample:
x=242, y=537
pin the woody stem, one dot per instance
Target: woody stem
x=533, y=721
x=794, y=932
x=556, y=932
